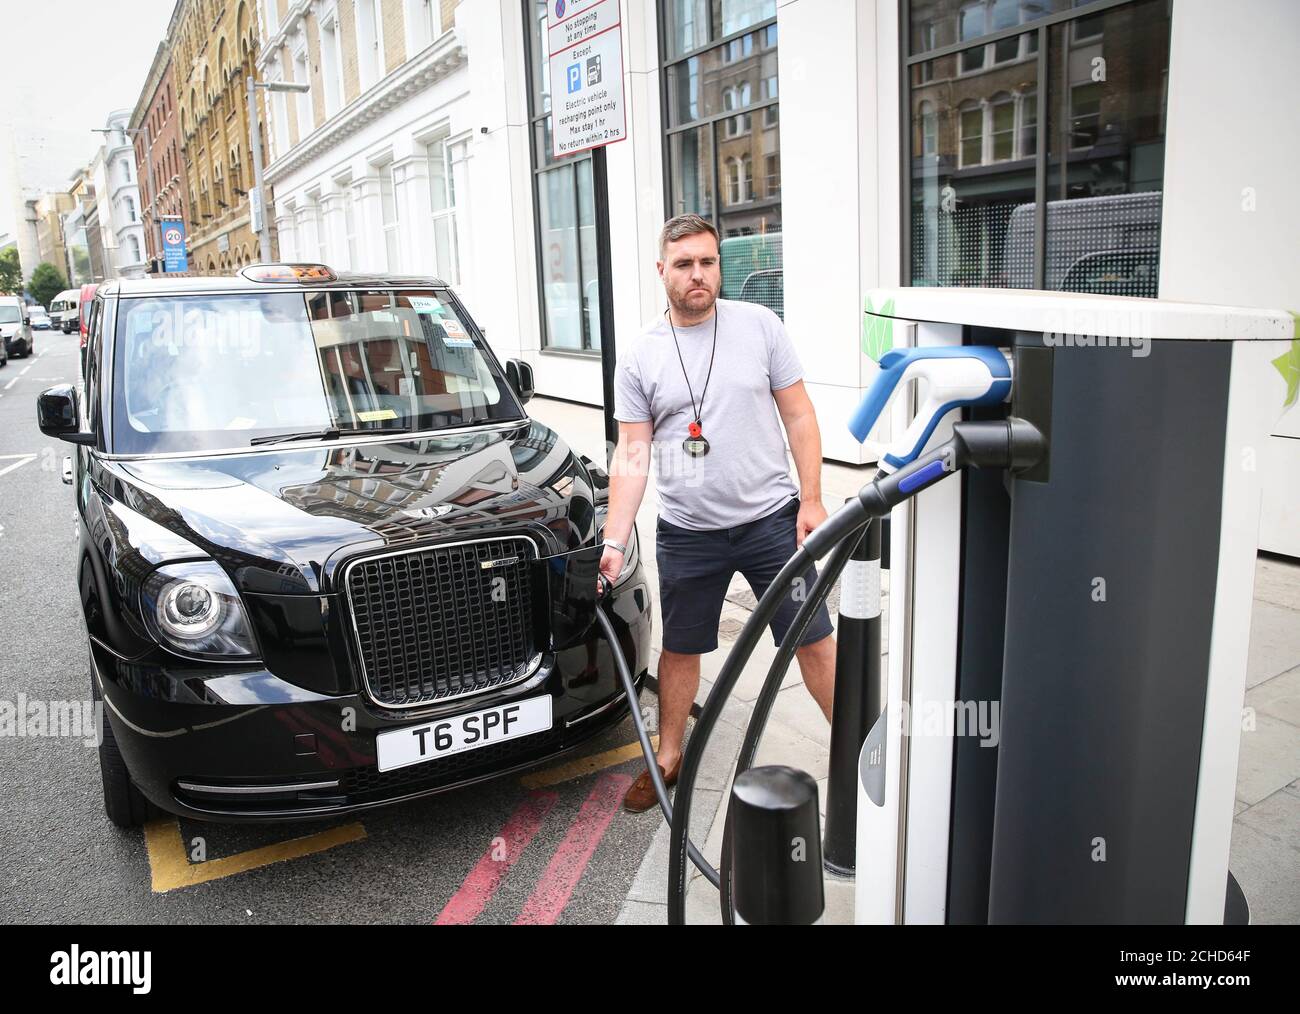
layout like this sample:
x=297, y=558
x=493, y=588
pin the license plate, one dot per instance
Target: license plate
x=441, y=738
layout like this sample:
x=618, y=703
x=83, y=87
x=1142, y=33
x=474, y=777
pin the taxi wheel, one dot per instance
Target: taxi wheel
x=124, y=803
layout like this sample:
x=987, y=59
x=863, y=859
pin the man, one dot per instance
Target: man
x=703, y=386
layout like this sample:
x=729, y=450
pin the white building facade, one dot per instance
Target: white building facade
x=839, y=146
x=118, y=194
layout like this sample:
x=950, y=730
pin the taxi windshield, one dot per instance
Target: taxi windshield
x=226, y=371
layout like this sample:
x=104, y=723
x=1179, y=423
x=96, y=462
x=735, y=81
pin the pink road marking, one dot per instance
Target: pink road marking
x=566, y=867
x=472, y=897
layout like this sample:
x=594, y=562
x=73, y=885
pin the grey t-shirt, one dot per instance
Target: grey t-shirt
x=745, y=475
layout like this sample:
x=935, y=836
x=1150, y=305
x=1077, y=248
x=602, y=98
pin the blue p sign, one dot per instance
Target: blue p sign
x=575, y=77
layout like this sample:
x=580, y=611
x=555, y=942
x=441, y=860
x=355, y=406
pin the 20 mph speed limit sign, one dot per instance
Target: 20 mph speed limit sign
x=584, y=40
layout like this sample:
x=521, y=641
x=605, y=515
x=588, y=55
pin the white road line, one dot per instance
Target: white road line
x=26, y=368
x=11, y=383
x=17, y=464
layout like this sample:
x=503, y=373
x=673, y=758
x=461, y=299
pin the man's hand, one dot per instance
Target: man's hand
x=611, y=563
x=811, y=514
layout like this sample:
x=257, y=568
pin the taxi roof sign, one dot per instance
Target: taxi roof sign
x=288, y=273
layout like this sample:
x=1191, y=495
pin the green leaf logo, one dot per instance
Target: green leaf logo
x=1288, y=364
x=877, y=329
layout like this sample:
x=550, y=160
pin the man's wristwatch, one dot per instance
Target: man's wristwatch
x=616, y=545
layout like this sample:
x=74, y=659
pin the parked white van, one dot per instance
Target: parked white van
x=64, y=310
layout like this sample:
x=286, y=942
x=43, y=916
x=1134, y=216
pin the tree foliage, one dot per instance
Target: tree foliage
x=11, y=272
x=46, y=282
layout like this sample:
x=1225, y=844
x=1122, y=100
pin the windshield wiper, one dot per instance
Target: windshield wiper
x=329, y=433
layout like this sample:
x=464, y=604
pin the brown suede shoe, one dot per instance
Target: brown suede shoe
x=641, y=796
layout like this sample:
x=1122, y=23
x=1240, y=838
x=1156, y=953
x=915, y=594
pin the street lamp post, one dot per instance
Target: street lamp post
x=258, y=208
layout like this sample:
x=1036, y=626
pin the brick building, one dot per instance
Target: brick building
x=214, y=47
x=155, y=123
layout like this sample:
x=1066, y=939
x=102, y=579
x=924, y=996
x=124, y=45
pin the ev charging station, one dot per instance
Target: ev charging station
x=1069, y=622
x=1068, y=643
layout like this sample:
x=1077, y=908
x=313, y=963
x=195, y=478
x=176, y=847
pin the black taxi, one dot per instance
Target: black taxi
x=326, y=560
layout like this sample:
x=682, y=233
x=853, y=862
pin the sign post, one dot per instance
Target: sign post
x=584, y=45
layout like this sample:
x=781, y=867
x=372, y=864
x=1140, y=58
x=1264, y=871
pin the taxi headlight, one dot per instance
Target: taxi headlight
x=193, y=608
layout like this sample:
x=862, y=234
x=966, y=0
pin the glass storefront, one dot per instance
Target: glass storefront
x=1036, y=157
x=566, y=215
x=723, y=145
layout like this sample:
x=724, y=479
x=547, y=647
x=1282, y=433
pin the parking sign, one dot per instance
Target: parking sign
x=584, y=43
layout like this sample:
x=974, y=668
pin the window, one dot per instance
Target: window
x=133, y=248
x=1028, y=125
x=357, y=358
x=331, y=63
x=370, y=60
x=1085, y=114
x=737, y=98
x=722, y=84
x=349, y=221
x=388, y=209
x=971, y=122
x=773, y=176
x=421, y=25
x=972, y=27
x=130, y=210
x=929, y=129
x=568, y=275
x=442, y=204
x=301, y=76
x=1086, y=28
x=988, y=204
x=1002, y=127
x=317, y=216
x=279, y=115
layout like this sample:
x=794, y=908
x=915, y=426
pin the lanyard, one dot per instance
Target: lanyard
x=695, y=429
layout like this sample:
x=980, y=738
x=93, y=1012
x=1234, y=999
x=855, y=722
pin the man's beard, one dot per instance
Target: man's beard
x=678, y=299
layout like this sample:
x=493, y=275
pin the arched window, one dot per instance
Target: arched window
x=970, y=123
x=133, y=245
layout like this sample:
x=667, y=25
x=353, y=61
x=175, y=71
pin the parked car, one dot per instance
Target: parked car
x=63, y=310
x=40, y=318
x=327, y=561
x=15, y=327
x=4, y=355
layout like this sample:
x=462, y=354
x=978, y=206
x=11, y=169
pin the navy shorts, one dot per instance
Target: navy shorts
x=695, y=570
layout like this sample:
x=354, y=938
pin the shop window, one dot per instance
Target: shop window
x=568, y=275
x=721, y=83
x=975, y=190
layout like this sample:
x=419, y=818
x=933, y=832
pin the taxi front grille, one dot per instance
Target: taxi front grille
x=443, y=622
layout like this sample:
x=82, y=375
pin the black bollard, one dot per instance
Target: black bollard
x=859, y=697
x=776, y=864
